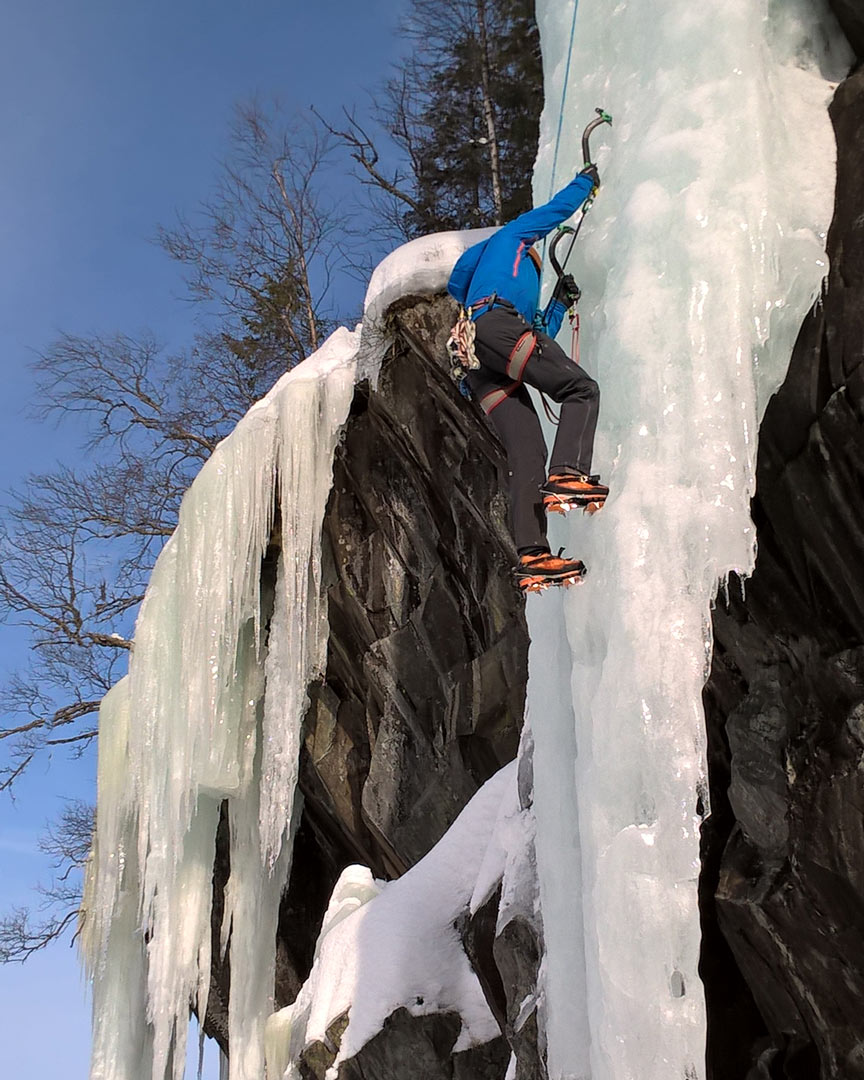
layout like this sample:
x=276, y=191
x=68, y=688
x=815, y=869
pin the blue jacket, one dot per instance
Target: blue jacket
x=501, y=264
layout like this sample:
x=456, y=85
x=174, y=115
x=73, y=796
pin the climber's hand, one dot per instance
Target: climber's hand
x=567, y=291
x=591, y=172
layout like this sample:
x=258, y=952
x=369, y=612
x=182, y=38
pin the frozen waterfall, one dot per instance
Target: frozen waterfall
x=226, y=644
x=191, y=726
x=699, y=260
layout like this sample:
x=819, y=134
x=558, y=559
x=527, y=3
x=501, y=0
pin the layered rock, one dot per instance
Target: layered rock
x=424, y=691
x=423, y=695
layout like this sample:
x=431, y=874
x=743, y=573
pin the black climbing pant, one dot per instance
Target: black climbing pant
x=510, y=410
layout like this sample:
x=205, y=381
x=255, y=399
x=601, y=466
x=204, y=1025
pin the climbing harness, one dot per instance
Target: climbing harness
x=519, y=356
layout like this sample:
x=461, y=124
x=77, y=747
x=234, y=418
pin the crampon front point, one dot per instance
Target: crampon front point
x=535, y=573
x=562, y=504
x=537, y=583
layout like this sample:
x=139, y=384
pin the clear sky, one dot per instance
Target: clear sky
x=113, y=116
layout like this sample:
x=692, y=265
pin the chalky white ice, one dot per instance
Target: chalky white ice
x=698, y=262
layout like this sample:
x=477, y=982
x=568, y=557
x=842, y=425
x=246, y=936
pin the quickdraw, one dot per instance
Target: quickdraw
x=460, y=346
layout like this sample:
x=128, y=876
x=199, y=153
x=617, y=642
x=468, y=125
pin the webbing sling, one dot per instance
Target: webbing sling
x=516, y=362
x=519, y=357
x=494, y=398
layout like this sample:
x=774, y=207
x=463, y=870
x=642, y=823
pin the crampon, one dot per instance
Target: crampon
x=558, y=504
x=536, y=573
x=563, y=493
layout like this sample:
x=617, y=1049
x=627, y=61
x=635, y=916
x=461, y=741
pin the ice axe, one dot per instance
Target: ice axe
x=568, y=230
x=602, y=118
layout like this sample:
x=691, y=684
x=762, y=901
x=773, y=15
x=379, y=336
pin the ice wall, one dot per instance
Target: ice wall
x=698, y=262
x=210, y=712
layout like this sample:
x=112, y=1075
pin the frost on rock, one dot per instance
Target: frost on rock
x=389, y=945
x=698, y=262
x=211, y=711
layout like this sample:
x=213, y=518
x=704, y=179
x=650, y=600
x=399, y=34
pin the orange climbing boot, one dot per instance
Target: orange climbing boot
x=564, y=491
x=537, y=572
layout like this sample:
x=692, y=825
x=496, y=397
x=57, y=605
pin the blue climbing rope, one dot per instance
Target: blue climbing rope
x=563, y=99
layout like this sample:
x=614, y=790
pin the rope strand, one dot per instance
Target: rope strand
x=563, y=99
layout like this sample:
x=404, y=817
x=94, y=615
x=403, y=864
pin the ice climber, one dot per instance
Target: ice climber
x=497, y=281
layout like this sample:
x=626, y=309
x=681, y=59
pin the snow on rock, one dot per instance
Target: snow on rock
x=701, y=256
x=385, y=946
x=420, y=267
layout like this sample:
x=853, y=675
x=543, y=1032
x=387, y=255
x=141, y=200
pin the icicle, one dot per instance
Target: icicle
x=192, y=726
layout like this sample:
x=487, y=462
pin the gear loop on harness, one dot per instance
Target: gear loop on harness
x=460, y=344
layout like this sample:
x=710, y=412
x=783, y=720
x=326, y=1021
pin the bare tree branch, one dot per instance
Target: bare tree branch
x=363, y=151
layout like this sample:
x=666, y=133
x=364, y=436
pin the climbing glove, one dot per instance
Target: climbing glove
x=591, y=172
x=567, y=291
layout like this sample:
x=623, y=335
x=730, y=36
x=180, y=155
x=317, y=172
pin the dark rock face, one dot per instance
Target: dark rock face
x=506, y=954
x=783, y=880
x=424, y=691
x=409, y=1046
x=850, y=15
x=423, y=695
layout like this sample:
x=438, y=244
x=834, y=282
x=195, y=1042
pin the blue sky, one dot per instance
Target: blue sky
x=113, y=117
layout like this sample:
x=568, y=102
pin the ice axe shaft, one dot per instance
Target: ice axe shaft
x=563, y=230
x=602, y=118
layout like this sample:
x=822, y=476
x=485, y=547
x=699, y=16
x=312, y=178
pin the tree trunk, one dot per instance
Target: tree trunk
x=488, y=111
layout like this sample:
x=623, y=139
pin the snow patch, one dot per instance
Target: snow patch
x=400, y=946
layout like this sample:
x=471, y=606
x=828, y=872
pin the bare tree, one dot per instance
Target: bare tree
x=489, y=109
x=77, y=546
x=462, y=112
x=262, y=251
x=67, y=844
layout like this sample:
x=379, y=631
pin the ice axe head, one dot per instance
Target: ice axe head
x=602, y=118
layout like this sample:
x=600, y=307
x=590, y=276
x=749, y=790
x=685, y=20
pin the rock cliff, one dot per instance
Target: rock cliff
x=423, y=695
